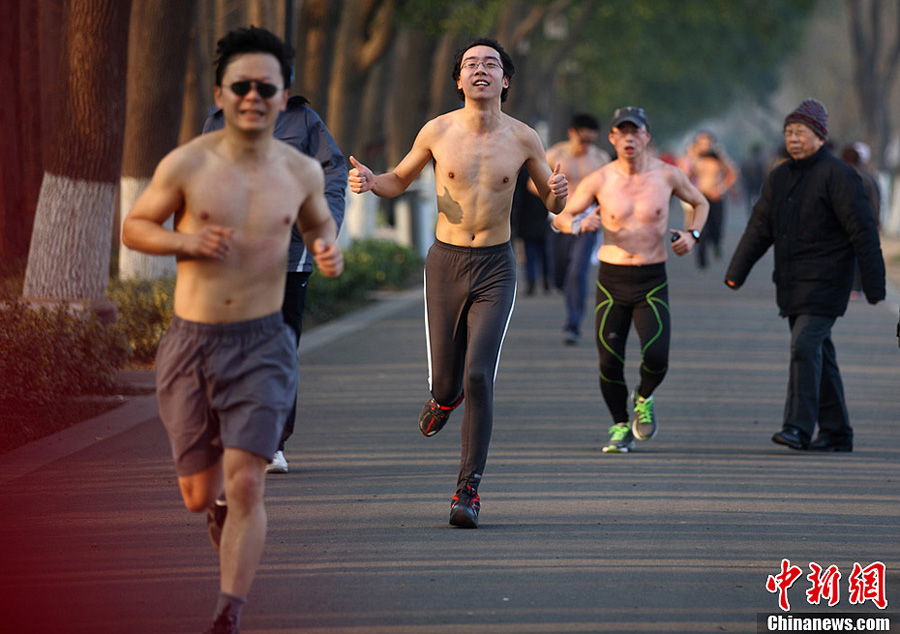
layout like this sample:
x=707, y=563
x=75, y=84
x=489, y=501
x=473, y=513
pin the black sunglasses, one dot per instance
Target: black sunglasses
x=241, y=88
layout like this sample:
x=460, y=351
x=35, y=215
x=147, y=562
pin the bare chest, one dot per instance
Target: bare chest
x=488, y=163
x=257, y=202
x=636, y=200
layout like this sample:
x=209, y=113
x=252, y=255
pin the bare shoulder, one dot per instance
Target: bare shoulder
x=305, y=167
x=558, y=151
x=599, y=155
x=186, y=159
x=523, y=131
x=671, y=173
x=436, y=127
x=602, y=173
x=526, y=137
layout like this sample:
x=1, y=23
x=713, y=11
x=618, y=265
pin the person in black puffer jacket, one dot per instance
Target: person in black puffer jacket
x=815, y=212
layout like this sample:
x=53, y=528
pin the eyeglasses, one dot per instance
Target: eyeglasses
x=488, y=65
x=265, y=90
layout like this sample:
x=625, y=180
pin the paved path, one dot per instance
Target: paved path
x=678, y=537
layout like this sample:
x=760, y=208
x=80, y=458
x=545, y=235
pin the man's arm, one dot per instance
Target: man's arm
x=730, y=176
x=392, y=184
x=584, y=196
x=143, y=228
x=552, y=187
x=319, y=229
x=853, y=210
x=686, y=191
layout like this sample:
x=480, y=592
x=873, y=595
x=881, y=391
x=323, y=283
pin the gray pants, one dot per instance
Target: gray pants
x=469, y=299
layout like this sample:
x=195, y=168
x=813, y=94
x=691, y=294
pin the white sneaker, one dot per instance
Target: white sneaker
x=278, y=464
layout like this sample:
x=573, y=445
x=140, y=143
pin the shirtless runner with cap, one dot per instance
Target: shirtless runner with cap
x=632, y=196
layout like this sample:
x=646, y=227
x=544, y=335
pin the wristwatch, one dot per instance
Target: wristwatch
x=694, y=233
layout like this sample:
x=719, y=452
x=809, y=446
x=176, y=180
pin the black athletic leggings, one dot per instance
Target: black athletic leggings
x=469, y=298
x=627, y=294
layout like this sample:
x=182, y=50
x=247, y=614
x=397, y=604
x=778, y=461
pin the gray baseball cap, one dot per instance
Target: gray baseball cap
x=630, y=114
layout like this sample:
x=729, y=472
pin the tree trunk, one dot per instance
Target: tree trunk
x=70, y=244
x=363, y=37
x=267, y=14
x=198, y=76
x=316, y=47
x=874, y=72
x=14, y=218
x=157, y=54
x=442, y=89
x=407, y=103
x=29, y=34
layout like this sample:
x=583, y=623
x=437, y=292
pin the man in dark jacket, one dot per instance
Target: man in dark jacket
x=814, y=209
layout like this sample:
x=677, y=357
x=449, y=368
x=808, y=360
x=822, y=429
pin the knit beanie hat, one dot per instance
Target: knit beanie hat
x=813, y=114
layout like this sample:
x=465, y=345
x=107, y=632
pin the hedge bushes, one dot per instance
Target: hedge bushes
x=145, y=308
x=49, y=356
x=370, y=265
x=145, y=312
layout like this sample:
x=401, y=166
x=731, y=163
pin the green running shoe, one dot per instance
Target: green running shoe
x=644, y=423
x=621, y=440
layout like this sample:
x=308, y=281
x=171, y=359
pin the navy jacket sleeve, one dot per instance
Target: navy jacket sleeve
x=322, y=146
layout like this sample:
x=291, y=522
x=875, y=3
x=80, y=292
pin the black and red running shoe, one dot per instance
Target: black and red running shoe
x=435, y=416
x=464, y=508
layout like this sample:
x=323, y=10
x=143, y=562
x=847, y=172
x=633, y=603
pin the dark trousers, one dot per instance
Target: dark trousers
x=469, y=299
x=626, y=295
x=576, y=282
x=815, y=391
x=537, y=262
x=711, y=234
x=292, y=311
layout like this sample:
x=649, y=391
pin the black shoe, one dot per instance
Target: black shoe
x=464, y=508
x=215, y=520
x=792, y=437
x=830, y=444
x=225, y=624
x=434, y=416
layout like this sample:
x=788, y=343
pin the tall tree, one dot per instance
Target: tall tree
x=70, y=244
x=14, y=215
x=29, y=36
x=157, y=56
x=875, y=62
x=198, y=92
x=407, y=99
x=316, y=47
x=365, y=31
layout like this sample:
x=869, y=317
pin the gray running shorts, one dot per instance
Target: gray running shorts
x=225, y=385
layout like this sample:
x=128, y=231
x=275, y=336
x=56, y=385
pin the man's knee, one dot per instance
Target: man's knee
x=200, y=490
x=244, y=478
x=478, y=383
x=612, y=370
x=655, y=363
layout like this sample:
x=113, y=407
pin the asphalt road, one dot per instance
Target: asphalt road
x=678, y=537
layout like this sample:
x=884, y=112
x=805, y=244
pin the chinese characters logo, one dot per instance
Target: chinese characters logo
x=864, y=584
